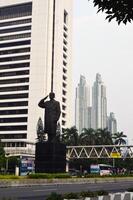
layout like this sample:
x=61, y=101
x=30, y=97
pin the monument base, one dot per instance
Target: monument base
x=50, y=157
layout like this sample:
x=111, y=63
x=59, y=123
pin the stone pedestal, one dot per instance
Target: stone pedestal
x=50, y=157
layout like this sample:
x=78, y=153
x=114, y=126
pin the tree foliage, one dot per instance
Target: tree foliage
x=88, y=137
x=103, y=137
x=70, y=136
x=121, y=10
x=119, y=138
x=40, y=130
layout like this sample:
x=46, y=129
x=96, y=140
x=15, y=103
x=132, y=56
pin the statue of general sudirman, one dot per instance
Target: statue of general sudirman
x=52, y=115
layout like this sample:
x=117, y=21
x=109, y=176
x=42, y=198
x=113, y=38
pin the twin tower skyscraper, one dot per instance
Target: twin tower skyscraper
x=94, y=116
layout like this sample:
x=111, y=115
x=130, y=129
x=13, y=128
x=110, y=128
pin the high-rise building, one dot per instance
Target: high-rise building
x=99, y=104
x=112, y=123
x=35, y=45
x=89, y=116
x=82, y=103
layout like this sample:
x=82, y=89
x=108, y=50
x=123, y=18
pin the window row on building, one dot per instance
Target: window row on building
x=15, y=51
x=14, y=11
x=14, y=37
x=13, y=120
x=16, y=22
x=14, y=112
x=14, y=66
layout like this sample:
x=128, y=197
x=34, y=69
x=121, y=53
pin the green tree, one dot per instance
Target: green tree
x=121, y=10
x=13, y=161
x=87, y=137
x=40, y=130
x=103, y=137
x=70, y=136
x=119, y=138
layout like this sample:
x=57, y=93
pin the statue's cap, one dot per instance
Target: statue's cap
x=51, y=95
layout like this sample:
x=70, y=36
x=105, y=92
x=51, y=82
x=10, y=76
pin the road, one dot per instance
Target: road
x=42, y=191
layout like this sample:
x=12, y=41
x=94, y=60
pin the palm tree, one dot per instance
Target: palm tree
x=70, y=136
x=87, y=137
x=103, y=137
x=119, y=138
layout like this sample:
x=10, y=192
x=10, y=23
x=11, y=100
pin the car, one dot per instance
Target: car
x=74, y=172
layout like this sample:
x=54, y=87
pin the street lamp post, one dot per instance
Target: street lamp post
x=7, y=155
x=113, y=162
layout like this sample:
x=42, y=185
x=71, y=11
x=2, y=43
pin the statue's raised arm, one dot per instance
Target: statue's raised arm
x=41, y=103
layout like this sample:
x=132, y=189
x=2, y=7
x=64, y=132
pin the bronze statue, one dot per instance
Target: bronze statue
x=52, y=114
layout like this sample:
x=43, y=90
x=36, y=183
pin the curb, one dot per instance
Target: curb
x=35, y=182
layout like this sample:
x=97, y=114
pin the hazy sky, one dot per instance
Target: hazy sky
x=105, y=48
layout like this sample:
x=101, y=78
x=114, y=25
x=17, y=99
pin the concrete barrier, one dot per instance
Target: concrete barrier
x=115, y=196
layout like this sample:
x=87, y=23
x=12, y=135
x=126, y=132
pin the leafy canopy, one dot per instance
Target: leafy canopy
x=121, y=10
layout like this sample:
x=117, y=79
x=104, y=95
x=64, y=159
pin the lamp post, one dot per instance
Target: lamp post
x=7, y=155
x=114, y=162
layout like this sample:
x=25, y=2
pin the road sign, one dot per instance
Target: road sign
x=115, y=155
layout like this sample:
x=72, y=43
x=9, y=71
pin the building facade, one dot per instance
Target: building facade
x=112, y=123
x=27, y=47
x=82, y=103
x=99, y=104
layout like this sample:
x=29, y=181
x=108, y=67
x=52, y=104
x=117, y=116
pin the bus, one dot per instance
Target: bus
x=101, y=169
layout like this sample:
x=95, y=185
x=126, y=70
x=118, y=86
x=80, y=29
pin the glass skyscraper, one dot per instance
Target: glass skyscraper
x=82, y=103
x=112, y=123
x=99, y=104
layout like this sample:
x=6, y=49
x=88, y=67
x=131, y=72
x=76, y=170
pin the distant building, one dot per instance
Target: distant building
x=89, y=117
x=99, y=104
x=82, y=103
x=112, y=123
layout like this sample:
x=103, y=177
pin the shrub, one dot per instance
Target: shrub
x=8, y=177
x=71, y=196
x=40, y=175
x=102, y=193
x=48, y=176
x=54, y=196
x=88, y=194
x=61, y=175
x=130, y=189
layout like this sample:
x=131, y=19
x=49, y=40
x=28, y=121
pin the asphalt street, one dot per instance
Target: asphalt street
x=40, y=192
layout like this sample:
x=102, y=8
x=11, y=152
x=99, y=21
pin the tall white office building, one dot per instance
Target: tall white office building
x=112, y=123
x=99, y=104
x=82, y=103
x=27, y=46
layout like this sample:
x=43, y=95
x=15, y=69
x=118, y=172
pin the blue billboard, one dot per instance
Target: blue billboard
x=27, y=165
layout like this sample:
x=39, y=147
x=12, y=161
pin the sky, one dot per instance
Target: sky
x=105, y=48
